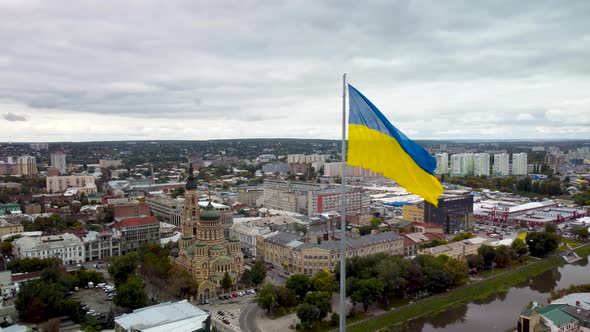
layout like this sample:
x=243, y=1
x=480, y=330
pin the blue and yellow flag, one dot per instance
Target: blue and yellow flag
x=375, y=144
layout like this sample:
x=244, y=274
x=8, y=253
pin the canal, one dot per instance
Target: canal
x=500, y=312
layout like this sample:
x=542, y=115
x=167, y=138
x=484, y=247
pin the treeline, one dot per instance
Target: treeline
x=32, y=264
x=551, y=187
x=53, y=223
x=556, y=294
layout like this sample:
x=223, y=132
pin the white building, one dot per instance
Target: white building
x=442, y=163
x=329, y=200
x=58, y=184
x=58, y=160
x=501, y=164
x=179, y=316
x=335, y=169
x=481, y=164
x=519, y=163
x=67, y=247
x=462, y=164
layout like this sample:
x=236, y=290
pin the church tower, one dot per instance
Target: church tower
x=191, y=211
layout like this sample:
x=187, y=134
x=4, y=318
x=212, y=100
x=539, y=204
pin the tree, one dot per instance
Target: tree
x=581, y=233
x=300, y=284
x=123, y=266
x=503, y=256
x=226, y=282
x=131, y=294
x=367, y=291
x=267, y=298
x=519, y=247
x=550, y=227
x=457, y=270
x=321, y=300
x=488, y=254
x=308, y=314
x=258, y=272
x=324, y=282
x=542, y=243
x=462, y=236
x=475, y=262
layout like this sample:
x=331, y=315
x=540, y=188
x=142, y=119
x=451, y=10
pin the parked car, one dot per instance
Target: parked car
x=221, y=313
x=225, y=321
x=234, y=295
x=221, y=298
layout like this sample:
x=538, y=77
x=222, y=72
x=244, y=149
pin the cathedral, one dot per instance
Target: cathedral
x=204, y=251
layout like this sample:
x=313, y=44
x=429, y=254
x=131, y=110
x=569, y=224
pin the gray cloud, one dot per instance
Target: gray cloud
x=13, y=117
x=425, y=63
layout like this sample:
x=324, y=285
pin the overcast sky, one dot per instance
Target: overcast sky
x=118, y=70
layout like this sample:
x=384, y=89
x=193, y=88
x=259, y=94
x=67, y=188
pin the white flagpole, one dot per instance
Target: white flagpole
x=343, y=214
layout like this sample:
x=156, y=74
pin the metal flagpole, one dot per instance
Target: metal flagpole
x=343, y=214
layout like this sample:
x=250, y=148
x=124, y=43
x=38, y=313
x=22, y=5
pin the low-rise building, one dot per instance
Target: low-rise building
x=413, y=212
x=9, y=209
x=58, y=184
x=412, y=241
x=67, y=247
x=136, y=232
x=179, y=316
x=248, y=229
x=9, y=228
x=553, y=318
x=457, y=250
x=101, y=245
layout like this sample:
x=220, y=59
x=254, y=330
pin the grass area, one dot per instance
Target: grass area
x=325, y=325
x=515, y=265
x=465, y=294
x=572, y=242
x=583, y=251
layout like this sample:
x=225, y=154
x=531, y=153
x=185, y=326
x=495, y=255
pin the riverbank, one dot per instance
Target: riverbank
x=462, y=295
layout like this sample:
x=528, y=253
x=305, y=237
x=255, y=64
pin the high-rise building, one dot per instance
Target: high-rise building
x=58, y=160
x=519, y=163
x=481, y=164
x=442, y=163
x=462, y=164
x=26, y=165
x=501, y=164
x=454, y=213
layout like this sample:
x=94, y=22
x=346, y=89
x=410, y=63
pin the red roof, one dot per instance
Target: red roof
x=427, y=225
x=137, y=221
x=435, y=236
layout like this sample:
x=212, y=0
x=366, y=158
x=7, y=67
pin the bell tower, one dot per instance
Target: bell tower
x=191, y=211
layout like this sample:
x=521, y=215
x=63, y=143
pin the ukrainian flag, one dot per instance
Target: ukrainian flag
x=375, y=144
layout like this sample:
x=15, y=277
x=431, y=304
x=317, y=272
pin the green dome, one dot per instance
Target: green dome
x=201, y=244
x=209, y=213
x=217, y=247
x=187, y=237
x=234, y=239
x=222, y=260
x=190, y=250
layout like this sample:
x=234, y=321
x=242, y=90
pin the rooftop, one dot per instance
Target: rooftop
x=178, y=316
x=137, y=221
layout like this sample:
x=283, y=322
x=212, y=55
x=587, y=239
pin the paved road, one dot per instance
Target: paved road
x=248, y=318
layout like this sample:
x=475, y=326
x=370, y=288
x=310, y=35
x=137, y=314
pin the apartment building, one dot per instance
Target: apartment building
x=58, y=184
x=329, y=200
x=106, y=163
x=335, y=169
x=26, y=165
x=58, y=160
x=442, y=163
x=501, y=164
x=481, y=164
x=519, y=164
x=462, y=164
x=413, y=212
x=67, y=247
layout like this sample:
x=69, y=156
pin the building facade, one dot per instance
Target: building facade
x=519, y=164
x=205, y=252
x=58, y=160
x=413, y=212
x=329, y=200
x=26, y=165
x=454, y=213
x=58, y=184
x=442, y=163
x=462, y=164
x=137, y=232
x=67, y=247
x=501, y=164
x=481, y=164
x=10, y=228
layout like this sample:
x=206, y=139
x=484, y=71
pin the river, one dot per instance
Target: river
x=500, y=312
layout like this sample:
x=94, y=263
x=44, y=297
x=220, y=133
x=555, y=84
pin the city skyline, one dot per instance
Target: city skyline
x=160, y=71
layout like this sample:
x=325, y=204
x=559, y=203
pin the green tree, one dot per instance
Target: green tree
x=123, y=267
x=300, y=284
x=367, y=291
x=321, y=300
x=519, y=247
x=580, y=232
x=308, y=314
x=488, y=254
x=462, y=236
x=267, y=298
x=503, y=256
x=226, y=282
x=131, y=294
x=324, y=282
x=542, y=243
x=550, y=227
x=375, y=222
x=258, y=272
x=475, y=262
x=457, y=270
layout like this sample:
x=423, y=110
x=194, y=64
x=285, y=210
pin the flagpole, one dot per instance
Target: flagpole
x=342, y=309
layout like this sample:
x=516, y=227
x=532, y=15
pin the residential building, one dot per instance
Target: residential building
x=442, y=163
x=26, y=165
x=136, y=232
x=335, y=169
x=457, y=250
x=454, y=213
x=106, y=163
x=205, y=252
x=481, y=164
x=413, y=212
x=249, y=196
x=275, y=168
x=248, y=229
x=329, y=200
x=58, y=160
x=501, y=164
x=9, y=228
x=39, y=146
x=179, y=316
x=462, y=164
x=553, y=318
x=412, y=241
x=519, y=164
x=67, y=247
x=289, y=251
x=58, y=184
x=303, y=164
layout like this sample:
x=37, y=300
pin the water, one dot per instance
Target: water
x=500, y=312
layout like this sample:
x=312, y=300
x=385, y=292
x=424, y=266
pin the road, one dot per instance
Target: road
x=248, y=318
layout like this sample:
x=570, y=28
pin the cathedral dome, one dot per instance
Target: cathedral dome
x=209, y=213
x=190, y=250
x=217, y=247
x=201, y=244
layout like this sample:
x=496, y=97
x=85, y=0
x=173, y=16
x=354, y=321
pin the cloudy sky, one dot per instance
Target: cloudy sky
x=117, y=70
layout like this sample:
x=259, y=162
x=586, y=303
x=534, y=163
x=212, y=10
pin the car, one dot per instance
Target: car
x=221, y=298
x=234, y=295
x=225, y=321
x=227, y=297
x=221, y=313
x=240, y=293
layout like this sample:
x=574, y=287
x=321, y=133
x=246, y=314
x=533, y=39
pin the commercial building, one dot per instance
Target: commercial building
x=248, y=229
x=58, y=184
x=501, y=164
x=67, y=247
x=442, y=163
x=554, y=317
x=101, y=245
x=481, y=164
x=179, y=316
x=136, y=232
x=413, y=212
x=58, y=160
x=135, y=209
x=462, y=164
x=288, y=250
x=454, y=213
x=532, y=213
x=519, y=163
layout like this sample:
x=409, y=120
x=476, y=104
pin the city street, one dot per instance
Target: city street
x=232, y=309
